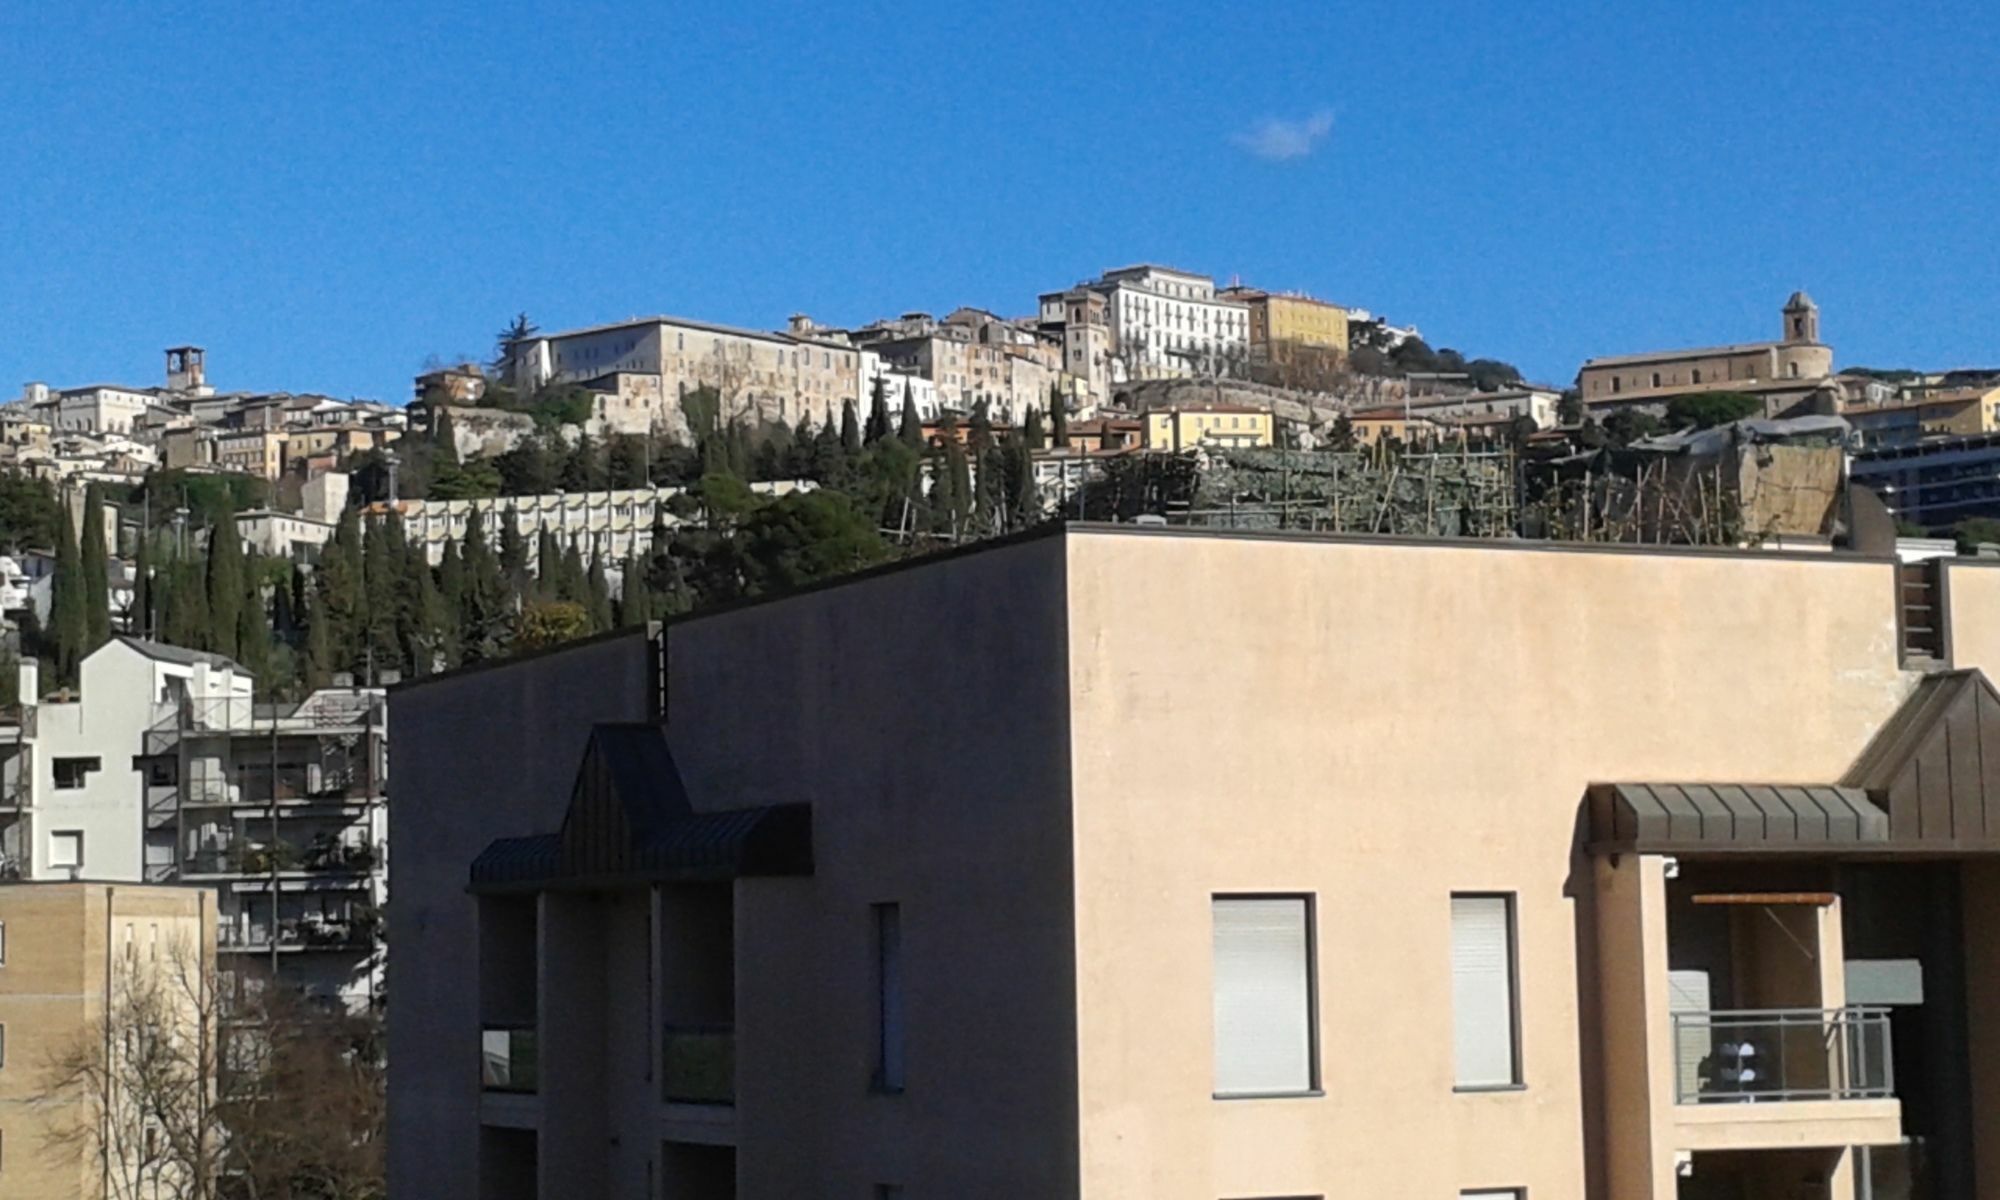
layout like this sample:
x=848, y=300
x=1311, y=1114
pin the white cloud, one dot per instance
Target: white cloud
x=1275, y=139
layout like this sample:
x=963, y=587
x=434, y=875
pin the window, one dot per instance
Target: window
x=1656, y=379
x=888, y=1191
x=3, y=1045
x=72, y=772
x=1265, y=1043
x=1614, y=385
x=66, y=849
x=1494, y=1194
x=3, y=943
x=1697, y=375
x=1484, y=1032
x=1792, y=369
x=888, y=997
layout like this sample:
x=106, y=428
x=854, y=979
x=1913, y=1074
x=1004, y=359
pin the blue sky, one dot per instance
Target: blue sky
x=326, y=195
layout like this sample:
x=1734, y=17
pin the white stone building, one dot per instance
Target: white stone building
x=1167, y=323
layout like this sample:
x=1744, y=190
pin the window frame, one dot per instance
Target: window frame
x=1518, y=1071
x=1315, y=1080
x=83, y=776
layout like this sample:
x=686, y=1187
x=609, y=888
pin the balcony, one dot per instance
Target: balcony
x=1769, y=1055
x=507, y=1059
x=1770, y=1079
x=698, y=1064
x=244, y=857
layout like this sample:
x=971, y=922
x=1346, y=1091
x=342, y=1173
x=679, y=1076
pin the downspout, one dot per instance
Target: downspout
x=104, y=1110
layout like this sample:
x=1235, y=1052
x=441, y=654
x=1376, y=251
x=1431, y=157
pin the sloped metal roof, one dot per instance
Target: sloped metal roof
x=1735, y=816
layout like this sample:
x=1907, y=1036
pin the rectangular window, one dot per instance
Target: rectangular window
x=1265, y=1043
x=66, y=849
x=73, y=772
x=1484, y=1030
x=888, y=997
x=1494, y=1194
x=3, y=943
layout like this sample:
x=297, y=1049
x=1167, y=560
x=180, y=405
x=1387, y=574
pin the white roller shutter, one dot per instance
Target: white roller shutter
x=1482, y=990
x=1263, y=996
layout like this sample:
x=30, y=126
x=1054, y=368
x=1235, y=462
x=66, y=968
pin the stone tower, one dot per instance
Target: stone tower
x=1801, y=319
x=185, y=371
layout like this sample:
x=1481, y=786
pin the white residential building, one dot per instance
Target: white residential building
x=283, y=535
x=162, y=768
x=1167, y=323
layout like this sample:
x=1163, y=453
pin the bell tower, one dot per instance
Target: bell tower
x=185, y=370
x=1801, y=320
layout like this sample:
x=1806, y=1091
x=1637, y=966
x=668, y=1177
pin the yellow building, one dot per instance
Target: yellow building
x=69, y=952
x=259, y=452
x=1285, y=325
x=1214, y=425
x=1958, y=412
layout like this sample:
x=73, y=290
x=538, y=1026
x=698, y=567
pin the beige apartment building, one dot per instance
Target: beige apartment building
x=1793, y=371
x=68, y=951
x=1569, y=872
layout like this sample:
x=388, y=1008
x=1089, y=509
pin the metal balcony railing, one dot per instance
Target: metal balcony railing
x=698, y=1064
x=1752, y=1055
x=507, y=1059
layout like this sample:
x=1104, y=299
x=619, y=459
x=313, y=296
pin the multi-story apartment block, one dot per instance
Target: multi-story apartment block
x=892, y=385
x=163, y=769
x=1527, y=892
x=1167, y=323
x=70, y=952
x=1906, y=418
x=1794, y=370
x=283, y=809
x=97, y=408
x=258, y=452
x=1289, y=328
x=757, y=375
x=1081, y=318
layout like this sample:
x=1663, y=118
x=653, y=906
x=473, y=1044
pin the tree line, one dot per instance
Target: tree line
x=373, y=601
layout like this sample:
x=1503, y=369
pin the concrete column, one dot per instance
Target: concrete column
x=1638, y=1057
x=571, y=1027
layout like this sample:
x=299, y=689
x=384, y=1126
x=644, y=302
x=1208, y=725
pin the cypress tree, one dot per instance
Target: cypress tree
x=186, y=623
x=1031, y=429
x=548, y=564
x=829, y=460
x=96, y=582
x=225, y=585
x=253, y=627
x=570, y=582
x=961, y=484
x=1059, y=416
x=513, y=551
x=911, y=428
x=451, y=602
x=635, y=595
x=483, y=614
x=340, y=587
x=319, y=647
x=597, y=593
x=1024, y=502
x=69, y=621
x=850, y=429
x=878, y=411
x=800, y=455
x=139, y=618
x=381, y=576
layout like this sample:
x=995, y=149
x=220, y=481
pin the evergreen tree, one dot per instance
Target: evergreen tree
x=253, y=626
x=225, y=586
x=850, y=429
x=548, y=564
x=139, y=618
x=340, y=585
x=878, y=411
x=801, y=455
x=187, y=607
x=911, y=428
x=319, y=648
x=1058, y=416
x=829, y=460
x=635, y=595
x=961, y=485
x=1031, y=429
x=597, y=592
x=571, y=584
x=381, y=576
x=513, y=551
x=96, y=582
x=484, y=618
x=1024, y=501
x=69, y=619
x=451, y=602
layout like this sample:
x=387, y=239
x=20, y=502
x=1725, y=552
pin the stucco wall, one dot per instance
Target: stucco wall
x=479, y=755
x=1381, y=725
x=923, y=714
